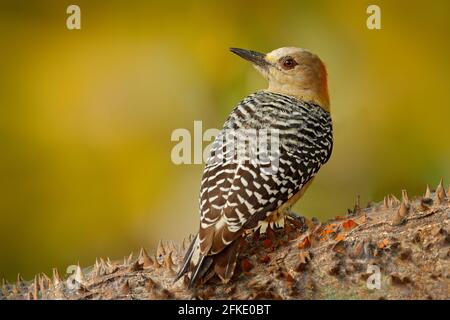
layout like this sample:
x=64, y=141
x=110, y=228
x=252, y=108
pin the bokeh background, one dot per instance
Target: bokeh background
x=86, y=116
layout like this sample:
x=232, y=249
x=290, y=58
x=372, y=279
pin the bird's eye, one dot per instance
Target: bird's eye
x=288, y=63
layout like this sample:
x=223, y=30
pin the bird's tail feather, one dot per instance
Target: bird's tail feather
x=200, y=269
x=225, y=261
x=194, y=262
x=187, y=260
x=199, y=264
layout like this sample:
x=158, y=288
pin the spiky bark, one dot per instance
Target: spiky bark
x=408, y=240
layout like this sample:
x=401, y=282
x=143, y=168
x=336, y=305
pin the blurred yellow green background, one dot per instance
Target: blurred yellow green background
x=86, y=115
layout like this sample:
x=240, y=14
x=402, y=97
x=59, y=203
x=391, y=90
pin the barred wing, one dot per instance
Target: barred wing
x=237, y=192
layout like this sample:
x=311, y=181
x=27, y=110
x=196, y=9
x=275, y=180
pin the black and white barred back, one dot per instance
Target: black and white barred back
x=237, y=193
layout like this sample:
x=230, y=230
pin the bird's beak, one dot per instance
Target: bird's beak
x=258, y=59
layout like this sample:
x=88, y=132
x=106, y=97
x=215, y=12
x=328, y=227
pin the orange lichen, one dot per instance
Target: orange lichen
x=304, y=243
x=382, y=244
x=349, y=224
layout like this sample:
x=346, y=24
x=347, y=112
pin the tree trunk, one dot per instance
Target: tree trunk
x=391, y=250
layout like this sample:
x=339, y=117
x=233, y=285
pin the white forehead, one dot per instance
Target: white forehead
x=286, y=51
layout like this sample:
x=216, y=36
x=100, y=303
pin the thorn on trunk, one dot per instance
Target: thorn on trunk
x=405, y=197
x=56, y=278
x=428, y=192
x=103, y=266
x=130, y=259
x=19, y=281
x=47, y=279
x=125, y=289
x=42, y=285
x=4, y=288
x=170, y=246
x=96, y=271
x=109, y=263
x=386, y=202
x=79, y=276
x=149, y=262
x=145, y=259
x=160, y=251
x=168, y=262
x=14, y=291
x=394, y=202
x=157, y=264
x=441, y=197
x=35, y=289
x=110, y=267
x=96, y=265
x=136, y=266
x=400, y=214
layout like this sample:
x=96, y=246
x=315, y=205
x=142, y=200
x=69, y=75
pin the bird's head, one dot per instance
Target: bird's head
x=292, y=71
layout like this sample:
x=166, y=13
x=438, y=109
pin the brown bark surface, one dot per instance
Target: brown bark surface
x=407, y=240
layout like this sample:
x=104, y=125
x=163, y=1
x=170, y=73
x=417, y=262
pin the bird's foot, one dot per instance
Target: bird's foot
x=294, y=216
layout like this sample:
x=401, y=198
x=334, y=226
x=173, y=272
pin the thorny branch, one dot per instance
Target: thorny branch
x=408, y=240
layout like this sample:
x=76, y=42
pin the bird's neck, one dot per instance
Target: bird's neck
x=317, y=95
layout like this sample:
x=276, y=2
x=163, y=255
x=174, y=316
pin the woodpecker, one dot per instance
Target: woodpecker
x=238, y=194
